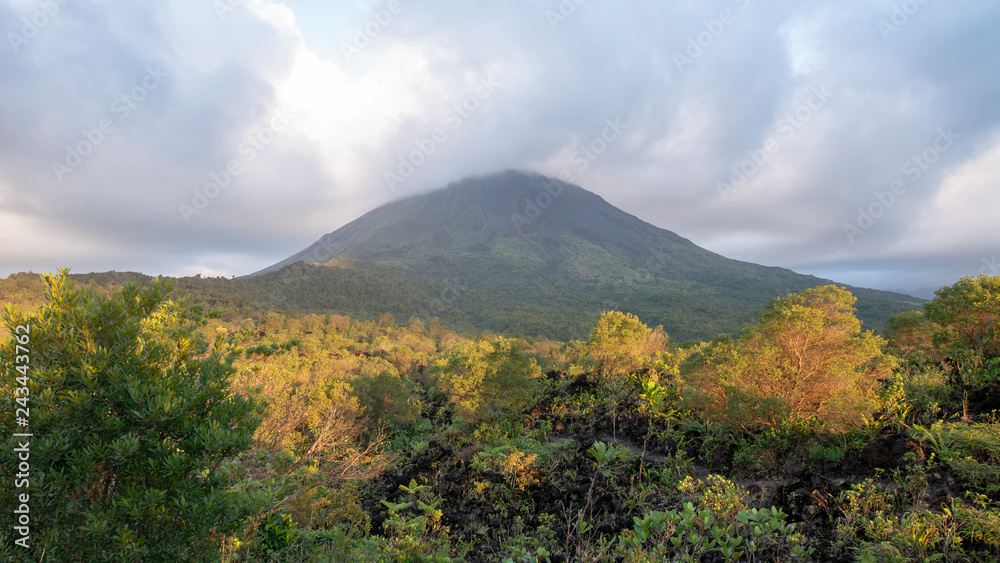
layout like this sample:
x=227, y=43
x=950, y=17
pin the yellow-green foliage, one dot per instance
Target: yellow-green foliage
x=385, y=399
x=878, y=526
x=514, y=464
x=977, y=521
x=715, y=519
x=910, y=335
x=299, y=488
x=309, y=417
x=133, y=416
x=926, y=391
x=724, y=498
x=488, y=375
x=621, y=343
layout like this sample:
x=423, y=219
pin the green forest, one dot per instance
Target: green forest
x=173, y=421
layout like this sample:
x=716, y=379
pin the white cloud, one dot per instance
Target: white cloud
x=964, y=211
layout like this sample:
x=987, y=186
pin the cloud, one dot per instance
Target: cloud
x=702, y=88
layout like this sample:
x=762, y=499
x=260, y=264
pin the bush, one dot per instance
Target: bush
x=716, y=519
x=386, y=399
x=488, y=376
x=910, y=335
x=132, y=417
x=621, y=343
x=972, y=450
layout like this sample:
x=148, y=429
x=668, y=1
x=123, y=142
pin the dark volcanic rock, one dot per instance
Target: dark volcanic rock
x=888, y=452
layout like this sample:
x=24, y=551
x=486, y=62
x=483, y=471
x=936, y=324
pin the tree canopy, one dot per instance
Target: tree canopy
x=968, y=314
x=806, y=356
x=621, y=343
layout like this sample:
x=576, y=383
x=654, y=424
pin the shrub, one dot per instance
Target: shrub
x=488, y=376
x=621, y=343
x=972, y=450
x=910, y=335
x=872, y=523
x=133, y=416
x=716, y=519
x=386, y=399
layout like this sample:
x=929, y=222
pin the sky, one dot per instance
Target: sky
x=853, y=140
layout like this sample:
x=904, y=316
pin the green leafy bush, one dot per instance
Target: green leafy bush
x=386, y=399
x=715, y=519
x=133, y=419
x=968, y=316
x=876, y=528
x=972, y=450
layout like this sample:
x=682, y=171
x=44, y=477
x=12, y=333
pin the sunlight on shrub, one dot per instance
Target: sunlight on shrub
x=805, y=358
x=489, y=376
x=516, y=466
x=620, y=343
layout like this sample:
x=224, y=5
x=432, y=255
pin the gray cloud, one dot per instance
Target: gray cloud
x=693, y=111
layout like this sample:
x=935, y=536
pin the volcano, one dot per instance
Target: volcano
x=523, y=253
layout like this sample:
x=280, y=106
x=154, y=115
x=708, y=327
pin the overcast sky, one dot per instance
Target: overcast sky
x=855, y=140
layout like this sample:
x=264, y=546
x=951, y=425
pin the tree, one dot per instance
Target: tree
x=385, y=398
x=968, y=314
x=968, y=318
x=805, y=357
x=487, y=375
x=621, y=343
x=910, y=336
x=133, y=421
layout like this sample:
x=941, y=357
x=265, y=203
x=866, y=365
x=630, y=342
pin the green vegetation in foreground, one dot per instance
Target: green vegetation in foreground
x=167, y=433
